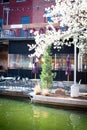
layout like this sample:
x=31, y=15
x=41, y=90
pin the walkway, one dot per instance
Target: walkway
x=61, y=101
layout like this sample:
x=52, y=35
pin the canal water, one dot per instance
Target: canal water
x=23, y=115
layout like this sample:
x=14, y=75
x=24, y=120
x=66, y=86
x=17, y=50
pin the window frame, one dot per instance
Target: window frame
x=20, y=0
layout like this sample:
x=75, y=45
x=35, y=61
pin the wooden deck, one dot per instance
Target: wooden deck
x=59, y=101
x=14, y=93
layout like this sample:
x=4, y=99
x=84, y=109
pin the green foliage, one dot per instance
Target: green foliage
x=46, y=74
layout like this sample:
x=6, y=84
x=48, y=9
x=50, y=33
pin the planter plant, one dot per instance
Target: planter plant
x=47, y=75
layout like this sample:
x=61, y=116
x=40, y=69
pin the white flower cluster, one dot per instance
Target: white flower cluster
x=67, y=13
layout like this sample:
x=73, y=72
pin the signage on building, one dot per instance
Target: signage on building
x=16, y=26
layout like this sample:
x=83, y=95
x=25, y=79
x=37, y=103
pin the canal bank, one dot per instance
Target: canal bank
x=53, y=99
x=61, y=101
x=15, y=92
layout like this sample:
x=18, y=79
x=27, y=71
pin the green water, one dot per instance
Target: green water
x=22, y=115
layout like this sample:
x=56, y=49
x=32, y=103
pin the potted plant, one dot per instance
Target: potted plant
x=47, y=75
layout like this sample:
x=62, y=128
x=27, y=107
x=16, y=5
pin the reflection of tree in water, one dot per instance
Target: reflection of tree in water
x=75, y=120
x=39, y=116
x=37, y=113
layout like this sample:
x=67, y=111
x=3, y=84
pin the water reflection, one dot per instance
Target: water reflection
x=16, y=115
x=37, y=113
x=75, y=120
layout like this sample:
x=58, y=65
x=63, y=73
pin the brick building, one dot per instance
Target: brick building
x=23, y=11
x=14, y=52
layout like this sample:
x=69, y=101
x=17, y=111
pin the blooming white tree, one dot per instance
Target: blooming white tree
x=71, y=17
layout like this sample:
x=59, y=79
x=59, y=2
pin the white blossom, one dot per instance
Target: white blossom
x=67, y=13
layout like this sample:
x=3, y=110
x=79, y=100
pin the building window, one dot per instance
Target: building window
x=5, y=1
x=20, y=0
x=19, y=61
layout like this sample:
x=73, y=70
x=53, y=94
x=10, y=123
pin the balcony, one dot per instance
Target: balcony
x=22, y=30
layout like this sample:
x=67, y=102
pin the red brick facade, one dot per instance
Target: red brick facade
x=32, y=8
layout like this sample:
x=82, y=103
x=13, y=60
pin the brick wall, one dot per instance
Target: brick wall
x=33, y=8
